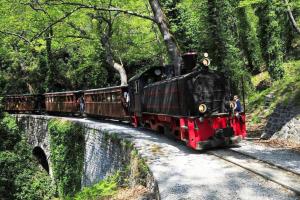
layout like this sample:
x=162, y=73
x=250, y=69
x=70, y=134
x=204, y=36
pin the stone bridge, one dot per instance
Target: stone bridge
x=102, y=157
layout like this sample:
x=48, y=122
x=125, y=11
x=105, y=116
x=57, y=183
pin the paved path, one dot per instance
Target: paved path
x=279, y=156
x=185, y=174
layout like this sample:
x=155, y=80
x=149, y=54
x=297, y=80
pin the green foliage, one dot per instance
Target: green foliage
x=138, y=168
x=20, y=176
x=67, y=155
x=9, y=133
x=104, y=189
x=255, y=119
x=7, y=163
x=194, y=34
x=223, y=44
x=274, y=35
x=274, y=45
x=285, y=90
x=249, y=40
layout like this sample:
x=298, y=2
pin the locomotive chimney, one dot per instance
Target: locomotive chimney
x=189, y=61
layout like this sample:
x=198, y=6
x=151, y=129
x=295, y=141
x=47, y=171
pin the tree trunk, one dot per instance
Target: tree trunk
x=291, y=17
x=173, y=49
x=110, y=60
x=50, y=79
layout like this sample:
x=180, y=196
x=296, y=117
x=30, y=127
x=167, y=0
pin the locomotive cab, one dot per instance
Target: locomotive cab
x=137, y=83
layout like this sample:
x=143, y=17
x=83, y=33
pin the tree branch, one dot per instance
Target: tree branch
x=111, y=9
x=291, y=17
x=54, y=23
x=17, y=35
x=73, y=26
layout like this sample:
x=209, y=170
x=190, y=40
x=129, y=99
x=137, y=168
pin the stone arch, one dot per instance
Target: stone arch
x=40, y=155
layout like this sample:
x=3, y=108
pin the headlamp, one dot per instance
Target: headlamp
x=202, y=108
x=206, y=62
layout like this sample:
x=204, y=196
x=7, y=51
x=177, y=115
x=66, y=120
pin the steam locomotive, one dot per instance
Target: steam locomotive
x=195, y=107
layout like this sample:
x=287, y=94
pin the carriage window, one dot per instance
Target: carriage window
x=136, y=86
x=113, y=97
x=108, y=97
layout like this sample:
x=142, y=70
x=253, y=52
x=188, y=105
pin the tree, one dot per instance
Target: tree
x=170, y=42
x=291, y=17
x=270, y=36
x=248, y=39
x=223, y=31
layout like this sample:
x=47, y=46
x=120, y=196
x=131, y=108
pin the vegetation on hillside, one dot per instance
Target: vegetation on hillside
x=284, y=91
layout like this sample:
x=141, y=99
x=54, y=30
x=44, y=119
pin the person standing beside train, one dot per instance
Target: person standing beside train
x=238, y=104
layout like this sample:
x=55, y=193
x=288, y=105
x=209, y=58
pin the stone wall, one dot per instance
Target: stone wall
x=284, y=123
x=105, y=152
x=36, y=129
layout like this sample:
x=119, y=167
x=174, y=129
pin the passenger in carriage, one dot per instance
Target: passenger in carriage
x=127, y=99
x=81, y=104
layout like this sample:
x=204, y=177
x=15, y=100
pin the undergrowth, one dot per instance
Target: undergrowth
x=67, y=155
x=21, y=178
x=284, y=91
x=133, y=174
x=104, y=189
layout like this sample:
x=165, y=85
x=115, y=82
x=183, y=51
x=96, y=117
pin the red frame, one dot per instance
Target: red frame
x=193, y=131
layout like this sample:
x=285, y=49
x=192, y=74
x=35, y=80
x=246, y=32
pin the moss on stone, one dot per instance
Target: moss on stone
x=67, y=146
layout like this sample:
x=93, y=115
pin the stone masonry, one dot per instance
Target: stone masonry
x=284, y=123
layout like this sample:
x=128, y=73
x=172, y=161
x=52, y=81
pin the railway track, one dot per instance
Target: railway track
x=272, y=172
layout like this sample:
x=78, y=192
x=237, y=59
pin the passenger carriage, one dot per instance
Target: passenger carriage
x=107, y=102
x=23, y=103
x=63, y=102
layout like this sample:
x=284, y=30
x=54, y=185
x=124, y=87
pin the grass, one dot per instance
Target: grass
x=104, y=189
x=285, y=90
